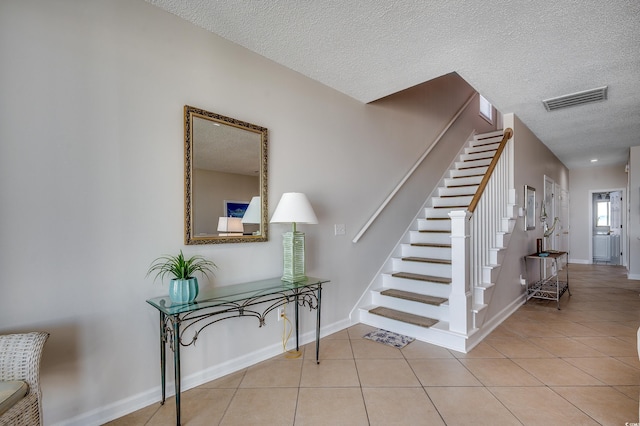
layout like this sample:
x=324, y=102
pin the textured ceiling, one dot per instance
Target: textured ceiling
x=514, y=52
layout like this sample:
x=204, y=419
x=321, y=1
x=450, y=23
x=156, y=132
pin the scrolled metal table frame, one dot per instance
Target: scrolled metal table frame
x=225, y=303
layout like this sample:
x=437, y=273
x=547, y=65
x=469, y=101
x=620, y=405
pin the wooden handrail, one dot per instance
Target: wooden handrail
x=508, y=134
x=413, y=169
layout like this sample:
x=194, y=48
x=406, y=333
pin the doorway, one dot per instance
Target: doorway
x=606, y=226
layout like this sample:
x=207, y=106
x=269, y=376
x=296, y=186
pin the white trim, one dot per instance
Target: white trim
x=623, y=220
x=492, y=113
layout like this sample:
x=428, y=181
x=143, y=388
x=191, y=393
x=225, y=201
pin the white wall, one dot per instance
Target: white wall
x=91, y=188
x=582, y=182
x=634, y=213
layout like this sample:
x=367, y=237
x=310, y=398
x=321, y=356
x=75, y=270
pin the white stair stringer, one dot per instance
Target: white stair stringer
x=421, y=266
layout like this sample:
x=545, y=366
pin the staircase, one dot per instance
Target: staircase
x=414, y=297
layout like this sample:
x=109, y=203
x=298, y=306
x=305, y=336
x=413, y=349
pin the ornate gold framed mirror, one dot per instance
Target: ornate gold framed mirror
x=225, y=179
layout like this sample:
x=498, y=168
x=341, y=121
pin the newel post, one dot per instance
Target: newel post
x=460, y=315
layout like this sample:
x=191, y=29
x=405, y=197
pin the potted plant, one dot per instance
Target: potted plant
x=183, y=287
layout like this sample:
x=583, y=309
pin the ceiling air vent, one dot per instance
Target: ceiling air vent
x=574, y=99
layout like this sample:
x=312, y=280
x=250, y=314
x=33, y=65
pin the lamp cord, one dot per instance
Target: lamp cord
x=292, y=354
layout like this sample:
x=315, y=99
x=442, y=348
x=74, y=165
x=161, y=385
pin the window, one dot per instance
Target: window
x=603, y=213
x=486, y=109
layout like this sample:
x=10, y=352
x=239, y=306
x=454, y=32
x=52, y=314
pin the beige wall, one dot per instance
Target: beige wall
x=582, y=182
x=92, y=104
x=532, y=161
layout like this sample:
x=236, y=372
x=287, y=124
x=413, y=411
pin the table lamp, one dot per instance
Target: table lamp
x=230, y=226
x=294, y=207
x=253, y=215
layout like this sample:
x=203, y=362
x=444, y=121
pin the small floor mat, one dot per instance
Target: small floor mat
x=389, y=338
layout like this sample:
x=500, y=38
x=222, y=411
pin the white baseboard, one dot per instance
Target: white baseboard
x=494, y=322
x=633, y=276
x=143, y=399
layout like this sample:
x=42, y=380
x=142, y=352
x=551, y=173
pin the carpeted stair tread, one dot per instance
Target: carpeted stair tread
x=421, y=277
x=478, y=159
x=414, y=297
x=435, y=231
x=431, y=245
x=451, y=207
x=437, y=218
x=404, y=317
x=427, y=260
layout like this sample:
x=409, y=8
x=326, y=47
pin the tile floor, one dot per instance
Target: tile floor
x=576, y=366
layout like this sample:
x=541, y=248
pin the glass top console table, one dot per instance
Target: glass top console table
x=217, y=304
x=550, y=287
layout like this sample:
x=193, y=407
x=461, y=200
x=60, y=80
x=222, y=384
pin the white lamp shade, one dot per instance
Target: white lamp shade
x=252, y=214
x=294, y=207
x=230, y=224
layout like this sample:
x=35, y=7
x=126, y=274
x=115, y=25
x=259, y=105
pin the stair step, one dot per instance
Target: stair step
x=431, y=245
x=404, y=317
x=451, y=207
x=414, y=297
x=435, y=231
x=427, y=260
x=421, y=277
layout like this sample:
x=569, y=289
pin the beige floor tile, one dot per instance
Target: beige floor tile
x=418, y=349
x=533, y=329
x=482, y=350
x=613, y=328
x=365, y=348
x=140, y=417
x=329, y=373
x=273, y=373
x=573, y=329
x=608, y=370
x=443, y=372
x=230, y=381
x=359, y=330
x=632, y=361
x=632, y=392
x=386, y=373
x=557, y=372
x=518, y=348
x=470, y=406
x=565, y=347
x=342, y=334
x=540, y=406
x=330, y=406
x=261, y=406
x=500, y=372
x=329, y=349
x=400, y=406
x=502, y=332
x=197, y=407
x=610, y=346
x=605, y=405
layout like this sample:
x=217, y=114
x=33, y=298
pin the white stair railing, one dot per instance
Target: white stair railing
x=474, y=238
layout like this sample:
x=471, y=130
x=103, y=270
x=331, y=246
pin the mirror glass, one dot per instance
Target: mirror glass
x=225, y=179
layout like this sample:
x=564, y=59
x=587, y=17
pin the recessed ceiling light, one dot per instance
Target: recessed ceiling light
x=594, y=160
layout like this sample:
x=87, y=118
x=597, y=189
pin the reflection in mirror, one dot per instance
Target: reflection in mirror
x=225, y=179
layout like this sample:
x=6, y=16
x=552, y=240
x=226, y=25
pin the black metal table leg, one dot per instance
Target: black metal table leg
x=318, y=325
x=163, y=356
x=176, y=361
x=297, y=323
